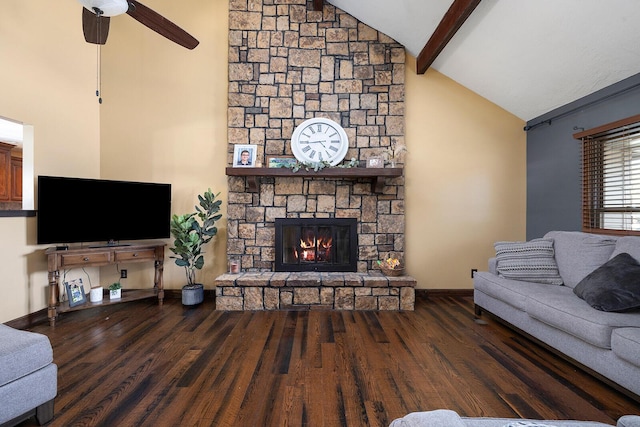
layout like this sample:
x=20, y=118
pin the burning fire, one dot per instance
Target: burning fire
x=313, y=249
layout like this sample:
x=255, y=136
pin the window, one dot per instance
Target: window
x=611, y=177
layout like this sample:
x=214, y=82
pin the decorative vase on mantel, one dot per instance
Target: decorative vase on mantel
x=192, y=294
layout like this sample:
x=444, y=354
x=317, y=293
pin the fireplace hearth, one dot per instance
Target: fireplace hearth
x=316, y=244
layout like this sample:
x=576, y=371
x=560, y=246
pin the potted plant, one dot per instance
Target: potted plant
x=191, y=232
x=115, y=290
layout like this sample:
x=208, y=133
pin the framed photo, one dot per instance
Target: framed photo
x=75, y=292
x=375, y=162
x=244, y=155
x=280, y=161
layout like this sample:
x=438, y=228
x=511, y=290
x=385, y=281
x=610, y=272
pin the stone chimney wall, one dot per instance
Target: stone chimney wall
x=288, y=63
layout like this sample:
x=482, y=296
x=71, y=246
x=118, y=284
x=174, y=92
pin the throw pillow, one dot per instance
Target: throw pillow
x=614, y=286
x=531, y=261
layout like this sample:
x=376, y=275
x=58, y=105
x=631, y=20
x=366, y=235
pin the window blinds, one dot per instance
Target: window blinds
x=611, y=177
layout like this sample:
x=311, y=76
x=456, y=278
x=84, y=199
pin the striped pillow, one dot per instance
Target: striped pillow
x=531, y=261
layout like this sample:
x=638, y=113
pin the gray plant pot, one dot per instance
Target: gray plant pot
x=192, y=294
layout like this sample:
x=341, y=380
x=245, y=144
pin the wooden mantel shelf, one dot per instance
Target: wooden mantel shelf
x=377, y=175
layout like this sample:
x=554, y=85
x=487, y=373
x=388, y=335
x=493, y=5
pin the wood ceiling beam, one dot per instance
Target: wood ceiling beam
x=451, y=22
x=318, y=5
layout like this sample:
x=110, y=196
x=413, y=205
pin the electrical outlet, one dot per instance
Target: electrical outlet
x=473, y=271
x=123, y=274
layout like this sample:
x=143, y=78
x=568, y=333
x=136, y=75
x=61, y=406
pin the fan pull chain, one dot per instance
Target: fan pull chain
x=99, y=74
x=98, y=55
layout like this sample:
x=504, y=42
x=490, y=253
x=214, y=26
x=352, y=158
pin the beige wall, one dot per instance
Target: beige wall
x=164, y=119
x=47, y=79
x=465, y=178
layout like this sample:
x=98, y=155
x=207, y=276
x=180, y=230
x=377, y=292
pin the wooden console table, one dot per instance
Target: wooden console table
x=60, y=259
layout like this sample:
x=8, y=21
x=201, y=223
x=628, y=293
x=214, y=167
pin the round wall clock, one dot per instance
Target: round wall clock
x=319, y=140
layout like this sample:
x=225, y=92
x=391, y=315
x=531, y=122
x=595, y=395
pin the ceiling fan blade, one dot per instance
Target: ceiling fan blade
x=161, y=25
x=94, y=27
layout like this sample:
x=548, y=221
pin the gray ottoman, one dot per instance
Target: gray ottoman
x=28, y=376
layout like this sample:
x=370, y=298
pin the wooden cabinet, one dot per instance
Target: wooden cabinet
x=10, y=176
x=16, y=179
x=5, y=171
x=61, y=259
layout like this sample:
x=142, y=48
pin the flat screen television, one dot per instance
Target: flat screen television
x=78, y=210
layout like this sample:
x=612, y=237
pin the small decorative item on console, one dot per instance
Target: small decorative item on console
x=95, y=295
x=115, y=290
x=75, y=292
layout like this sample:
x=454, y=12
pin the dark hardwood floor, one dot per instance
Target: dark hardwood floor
x=136, y=364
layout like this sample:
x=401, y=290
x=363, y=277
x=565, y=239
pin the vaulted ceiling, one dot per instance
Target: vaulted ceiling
x=527, y=56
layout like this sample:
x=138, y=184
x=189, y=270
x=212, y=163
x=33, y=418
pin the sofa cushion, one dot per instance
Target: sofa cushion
x=625, y=343
x=512, y=292
x=560, y=308
x=578, y=254
x=628, y=244
x=531, y=261
x=614, y=286
x=22, y=353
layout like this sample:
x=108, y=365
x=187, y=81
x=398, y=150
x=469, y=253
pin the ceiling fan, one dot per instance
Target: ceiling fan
x=96, y=15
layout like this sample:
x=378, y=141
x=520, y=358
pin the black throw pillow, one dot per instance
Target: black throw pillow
x=614, y=286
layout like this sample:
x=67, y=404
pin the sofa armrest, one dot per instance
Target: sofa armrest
x=436, y=418
x=629, y=421
x=492, y=266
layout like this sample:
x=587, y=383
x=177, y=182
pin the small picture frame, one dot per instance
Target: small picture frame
x=244, y=155
x=75, y=292
x=280, y=161
x=375, y=162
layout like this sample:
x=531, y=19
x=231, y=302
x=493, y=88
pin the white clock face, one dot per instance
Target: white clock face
x=319, y=140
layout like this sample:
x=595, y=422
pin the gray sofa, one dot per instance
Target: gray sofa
x=447, y=418
x=606, y=342
x=28, y=377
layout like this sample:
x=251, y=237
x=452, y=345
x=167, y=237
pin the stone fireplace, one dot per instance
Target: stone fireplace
x=288, y=63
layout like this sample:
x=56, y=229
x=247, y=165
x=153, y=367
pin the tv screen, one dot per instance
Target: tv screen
x=74, y=210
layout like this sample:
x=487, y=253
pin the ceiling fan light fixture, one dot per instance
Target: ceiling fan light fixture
x=109, y=7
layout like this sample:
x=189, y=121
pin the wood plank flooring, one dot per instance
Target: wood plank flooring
x=137, y=364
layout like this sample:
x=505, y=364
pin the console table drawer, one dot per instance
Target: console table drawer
x=72, y=260
x=141, y=255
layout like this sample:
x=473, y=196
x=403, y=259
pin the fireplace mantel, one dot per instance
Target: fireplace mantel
x=377, y=175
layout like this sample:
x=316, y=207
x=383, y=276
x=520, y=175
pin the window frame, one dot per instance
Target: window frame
x=594, y=144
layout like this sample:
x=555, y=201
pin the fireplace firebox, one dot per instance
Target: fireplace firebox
x=316, y=244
